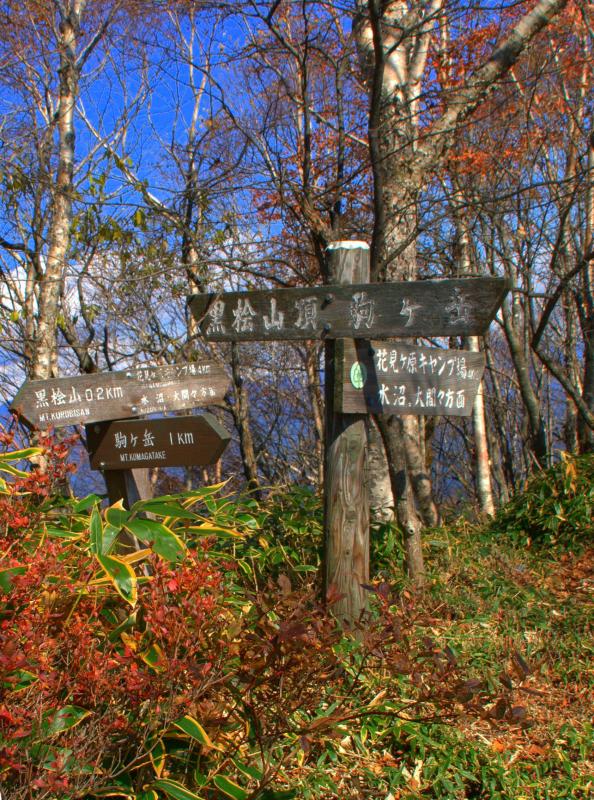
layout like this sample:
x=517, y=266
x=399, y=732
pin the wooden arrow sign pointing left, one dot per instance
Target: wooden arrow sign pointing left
x=166, y=442
x=83, y=399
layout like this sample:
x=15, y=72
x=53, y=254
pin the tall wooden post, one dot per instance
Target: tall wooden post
x=129, y=485
x=346, y=500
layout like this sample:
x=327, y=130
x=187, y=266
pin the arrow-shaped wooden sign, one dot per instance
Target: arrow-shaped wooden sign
x=166, y=442
x=111, y=395
x=461, y=307
x=397, y=378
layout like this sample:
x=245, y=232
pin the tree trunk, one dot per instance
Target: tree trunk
x=586, y=433
x=310, y=356
x=381, y=498
x=416, y=463
x=240, y=411
x=513, y=326
x=484, y=489
x=45, y=353
x=408, y=520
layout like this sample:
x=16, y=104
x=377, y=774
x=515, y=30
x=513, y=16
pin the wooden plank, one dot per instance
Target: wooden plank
x=460, y=307
x=112, y=395
x=397, y=378
x=346, y=494
x=167, y=442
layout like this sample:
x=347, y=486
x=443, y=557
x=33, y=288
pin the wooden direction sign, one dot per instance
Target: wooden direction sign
x=396, y=378
x=111, y=395
x=166, y=442
x=461, y=307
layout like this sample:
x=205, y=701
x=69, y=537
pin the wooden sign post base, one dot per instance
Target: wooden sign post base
x=129, y=485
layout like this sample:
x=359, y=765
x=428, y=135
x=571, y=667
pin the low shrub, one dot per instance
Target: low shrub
x=557, y=505
x=159, y=653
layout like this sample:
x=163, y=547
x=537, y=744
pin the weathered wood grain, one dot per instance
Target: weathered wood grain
x=346, y=495
x=460, y=307
x=83, y=399
x=397, y=378
x=167, y=442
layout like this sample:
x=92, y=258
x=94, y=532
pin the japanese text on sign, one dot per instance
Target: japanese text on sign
x=400, y=378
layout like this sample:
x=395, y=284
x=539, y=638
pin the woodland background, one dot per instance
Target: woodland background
x=151, y=150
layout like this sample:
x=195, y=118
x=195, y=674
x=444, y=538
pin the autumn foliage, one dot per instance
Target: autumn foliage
x=173, y=669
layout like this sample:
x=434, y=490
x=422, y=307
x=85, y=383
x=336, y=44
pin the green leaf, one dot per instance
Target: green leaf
x=122, y=576
x=61, y=533
x=19, y=679
x=194, y=730
x=117, y=515
x=140, y=219
x=66, y=718
x=96, y=531
x=150, y=795
x=110, y=534
x=154, y=657
x=86, y=502
x=207, y=529
x=124, y=626
x=8, y=468
x=157, y=755
x=46, y=756
x=163, y=509
x=20, y=455
x=228, y=787
x=143, y=529
x=248, y=771
x=115, y=791
x=165, y=542
x=6, y=576
x=175, y=790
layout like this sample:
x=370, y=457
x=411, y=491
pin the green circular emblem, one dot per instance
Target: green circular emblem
x=358, y=374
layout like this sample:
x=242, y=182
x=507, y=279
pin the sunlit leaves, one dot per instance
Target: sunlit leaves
x=192, y=728
x=122, y=576
x=175, y=790
x=65, y=718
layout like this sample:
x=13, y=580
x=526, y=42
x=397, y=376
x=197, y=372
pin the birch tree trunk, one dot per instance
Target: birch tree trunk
x=44, y=362
x=484, y=488
x=393, y=38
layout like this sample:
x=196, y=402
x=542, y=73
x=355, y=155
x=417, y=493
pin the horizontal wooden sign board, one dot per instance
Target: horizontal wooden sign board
x=397, y=378
x=167, y=442
x=113, y=395
x=459, y=307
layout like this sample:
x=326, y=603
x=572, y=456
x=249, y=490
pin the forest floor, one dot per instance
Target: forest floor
x=531, y=611
x=479, y=687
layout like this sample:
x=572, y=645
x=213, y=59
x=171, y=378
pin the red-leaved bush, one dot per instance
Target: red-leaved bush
x=174, y=669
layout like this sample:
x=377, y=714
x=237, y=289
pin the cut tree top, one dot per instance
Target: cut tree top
x=461, y=307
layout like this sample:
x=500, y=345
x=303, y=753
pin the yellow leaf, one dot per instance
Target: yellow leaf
x=129, y=641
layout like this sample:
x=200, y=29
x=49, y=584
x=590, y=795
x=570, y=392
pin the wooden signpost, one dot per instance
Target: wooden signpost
x=363, y=377
x=397, y=378
x=86, y=399
x=462, y=307
x=114, y=395
x=169, y=441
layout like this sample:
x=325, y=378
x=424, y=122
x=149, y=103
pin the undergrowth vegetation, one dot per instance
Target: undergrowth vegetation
x=179, y=650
